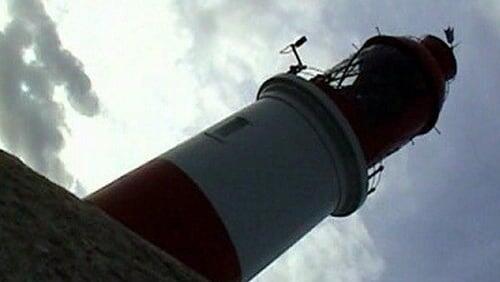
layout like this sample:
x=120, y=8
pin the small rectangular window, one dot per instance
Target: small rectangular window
x=231, y=126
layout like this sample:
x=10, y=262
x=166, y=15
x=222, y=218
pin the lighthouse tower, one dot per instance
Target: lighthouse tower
x=230, y=200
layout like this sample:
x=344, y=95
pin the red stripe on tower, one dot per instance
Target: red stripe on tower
x=163, y=205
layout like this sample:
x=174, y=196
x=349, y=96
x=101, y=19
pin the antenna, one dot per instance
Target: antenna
x=295, y=69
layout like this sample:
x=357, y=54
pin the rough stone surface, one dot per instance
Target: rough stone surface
x=47, y=234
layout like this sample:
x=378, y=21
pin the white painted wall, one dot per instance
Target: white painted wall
x=275, y=169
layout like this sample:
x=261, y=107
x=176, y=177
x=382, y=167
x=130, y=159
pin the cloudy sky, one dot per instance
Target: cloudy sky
x=91, y=89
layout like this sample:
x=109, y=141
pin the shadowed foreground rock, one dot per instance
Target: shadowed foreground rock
x=47, y=234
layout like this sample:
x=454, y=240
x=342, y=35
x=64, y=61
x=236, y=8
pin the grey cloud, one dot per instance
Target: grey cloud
x=31, y=122
x=337, y=250
x=63, y=68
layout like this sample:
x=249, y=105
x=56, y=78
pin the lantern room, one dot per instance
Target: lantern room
x=390, y=90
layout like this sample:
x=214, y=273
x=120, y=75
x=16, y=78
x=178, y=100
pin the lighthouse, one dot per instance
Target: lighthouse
x=231, y=199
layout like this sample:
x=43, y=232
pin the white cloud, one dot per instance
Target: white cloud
x=334, y=251
x=131, y=52
x=161, y=77
x=4, y=15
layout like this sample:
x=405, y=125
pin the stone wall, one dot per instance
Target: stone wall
x=47, y=234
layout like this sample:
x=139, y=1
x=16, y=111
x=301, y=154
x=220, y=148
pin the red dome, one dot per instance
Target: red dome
x=443, y=55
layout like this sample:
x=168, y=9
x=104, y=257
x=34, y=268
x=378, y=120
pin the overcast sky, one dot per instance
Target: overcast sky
x=118, y=82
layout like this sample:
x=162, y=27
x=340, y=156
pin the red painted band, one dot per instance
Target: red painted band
x=162, y=204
